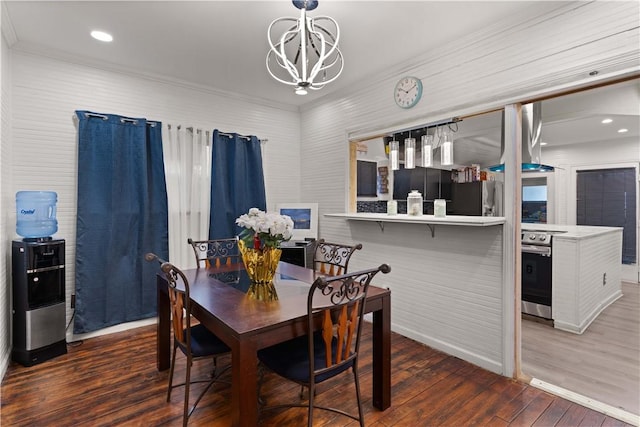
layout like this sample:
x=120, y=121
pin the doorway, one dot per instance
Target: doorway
x=596, y=184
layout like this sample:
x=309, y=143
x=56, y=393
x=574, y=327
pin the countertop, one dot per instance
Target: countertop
x=477, y=221
x=571, y=232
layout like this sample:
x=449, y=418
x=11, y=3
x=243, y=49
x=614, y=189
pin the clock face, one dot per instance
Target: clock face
x=408, y=92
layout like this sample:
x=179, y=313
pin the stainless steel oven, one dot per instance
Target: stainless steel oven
x=536, y=273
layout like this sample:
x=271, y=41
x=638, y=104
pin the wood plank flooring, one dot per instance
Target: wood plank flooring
x=603, y=363
x=112, y=381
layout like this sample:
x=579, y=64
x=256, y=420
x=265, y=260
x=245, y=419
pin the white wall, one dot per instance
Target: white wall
x=5, y=205
x=45, y=94
x=620, y=153
x=445, y=294
x=447, y=291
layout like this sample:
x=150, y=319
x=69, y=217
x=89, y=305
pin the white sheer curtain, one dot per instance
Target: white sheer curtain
x=187, y=158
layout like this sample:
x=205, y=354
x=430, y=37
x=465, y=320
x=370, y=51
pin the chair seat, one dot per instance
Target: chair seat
x=204, y=343
x=290, y=359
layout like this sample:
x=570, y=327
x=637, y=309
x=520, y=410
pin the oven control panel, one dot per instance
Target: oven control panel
x=536, y=238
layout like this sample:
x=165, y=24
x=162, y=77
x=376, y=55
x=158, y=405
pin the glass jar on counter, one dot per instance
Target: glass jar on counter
x=414, y=203
x=392, y=207
x=440, y=208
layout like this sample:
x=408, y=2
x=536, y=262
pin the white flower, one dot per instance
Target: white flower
x=271, y=228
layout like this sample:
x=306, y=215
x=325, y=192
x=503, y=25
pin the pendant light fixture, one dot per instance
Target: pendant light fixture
x=394, y=154
x=410, y=152
x=305, y=54
x=427, y=150
x=446, y=149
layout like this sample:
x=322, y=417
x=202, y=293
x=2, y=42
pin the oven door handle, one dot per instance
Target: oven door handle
x=537, y=250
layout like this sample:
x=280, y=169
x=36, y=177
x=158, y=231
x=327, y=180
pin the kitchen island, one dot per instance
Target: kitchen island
x=586, y=272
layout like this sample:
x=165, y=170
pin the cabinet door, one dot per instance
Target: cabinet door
x=405, y=180
x=466, y=198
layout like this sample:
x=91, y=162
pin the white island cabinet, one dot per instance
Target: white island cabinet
x=586, y=272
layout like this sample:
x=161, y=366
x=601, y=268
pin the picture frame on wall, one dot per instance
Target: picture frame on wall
x=305, y=219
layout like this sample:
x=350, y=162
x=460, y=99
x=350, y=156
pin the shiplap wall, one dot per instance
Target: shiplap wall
x=5, y=204
x=590, y=269
x=448, y=291
x=459, y=281
x=45, y=94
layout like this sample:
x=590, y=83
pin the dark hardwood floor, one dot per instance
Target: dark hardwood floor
x=112, y=381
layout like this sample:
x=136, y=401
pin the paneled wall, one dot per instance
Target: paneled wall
x=46, y=93
x=5, y=205
x=448, y=290
x=447, y=293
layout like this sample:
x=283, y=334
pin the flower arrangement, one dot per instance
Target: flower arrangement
x=264, y=229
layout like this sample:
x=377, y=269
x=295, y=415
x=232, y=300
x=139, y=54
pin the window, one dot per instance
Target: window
x=607, y=197
x=534, y=200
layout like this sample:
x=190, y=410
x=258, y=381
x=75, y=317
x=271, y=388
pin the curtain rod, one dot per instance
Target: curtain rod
x=247, y=137
x=122, y=119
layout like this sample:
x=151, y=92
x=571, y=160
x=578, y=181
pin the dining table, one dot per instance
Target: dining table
x=220, y=302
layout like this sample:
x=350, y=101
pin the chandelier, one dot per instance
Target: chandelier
x=306, y=55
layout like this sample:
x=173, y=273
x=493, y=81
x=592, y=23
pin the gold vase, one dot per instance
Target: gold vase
x=261, y=266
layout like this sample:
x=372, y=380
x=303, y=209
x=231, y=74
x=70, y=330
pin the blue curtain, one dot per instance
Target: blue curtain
x=237, y=181
x=122, y=214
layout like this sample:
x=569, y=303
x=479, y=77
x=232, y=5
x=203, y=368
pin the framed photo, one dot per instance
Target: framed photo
x=305, y=219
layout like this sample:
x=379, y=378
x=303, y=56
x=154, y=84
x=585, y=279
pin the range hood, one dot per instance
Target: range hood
x=531, y=131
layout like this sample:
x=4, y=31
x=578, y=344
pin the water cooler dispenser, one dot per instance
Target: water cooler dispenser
x=38, y=272
x=38, y=301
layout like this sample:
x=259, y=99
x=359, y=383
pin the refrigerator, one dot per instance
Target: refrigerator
x=479, y=198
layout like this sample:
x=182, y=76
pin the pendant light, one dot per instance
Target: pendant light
x=394, y=154
x=303, y=52
x=410, y=152
x=427, y=150
x=446, y=149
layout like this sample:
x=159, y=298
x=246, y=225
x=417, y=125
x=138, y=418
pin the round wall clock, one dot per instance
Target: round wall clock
x=408, y=91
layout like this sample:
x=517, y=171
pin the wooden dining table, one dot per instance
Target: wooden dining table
x=247, y=325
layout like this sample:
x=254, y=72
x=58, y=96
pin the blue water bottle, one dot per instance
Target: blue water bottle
x=36, y=213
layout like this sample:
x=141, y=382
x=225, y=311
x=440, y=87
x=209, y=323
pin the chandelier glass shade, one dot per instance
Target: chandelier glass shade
x=427, y=151
x=304, y=51
x=394, y=155
x=446, y=149
x=410, y=153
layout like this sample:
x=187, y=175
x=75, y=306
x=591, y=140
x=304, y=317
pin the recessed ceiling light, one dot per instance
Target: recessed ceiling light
x=543, y=143
x=607, y=121
x=102, y=36
x=623, y=130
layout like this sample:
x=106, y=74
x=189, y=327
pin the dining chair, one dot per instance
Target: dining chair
x=195, y=341
x=337, y=304
x=333, y=258
x=215, y=252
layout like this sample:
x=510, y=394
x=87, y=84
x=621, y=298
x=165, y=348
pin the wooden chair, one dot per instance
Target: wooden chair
x=195, y=341
x=333, y=258
x=216, y=252
x=337, y=304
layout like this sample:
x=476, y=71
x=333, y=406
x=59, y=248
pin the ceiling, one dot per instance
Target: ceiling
x=223, y=44
x=566, y=120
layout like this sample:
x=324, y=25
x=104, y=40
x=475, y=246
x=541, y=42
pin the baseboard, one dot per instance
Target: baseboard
x=579, y=329
x=112, y=329
x=612, y=411
x=476, y=359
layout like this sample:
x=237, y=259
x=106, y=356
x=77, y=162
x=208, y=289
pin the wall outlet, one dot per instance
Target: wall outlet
x=604, y=279
x=73, y=300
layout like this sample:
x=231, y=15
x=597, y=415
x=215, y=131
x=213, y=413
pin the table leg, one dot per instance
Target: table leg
x=382, y=355
x=163, y=327
x=244, y=384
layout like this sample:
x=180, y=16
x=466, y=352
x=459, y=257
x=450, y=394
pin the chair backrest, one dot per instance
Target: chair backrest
x=216, y=252
x=339, y=302
x=333, y=258
x=180, y=303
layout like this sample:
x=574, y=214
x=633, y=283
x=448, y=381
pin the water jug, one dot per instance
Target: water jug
x=36, y=213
